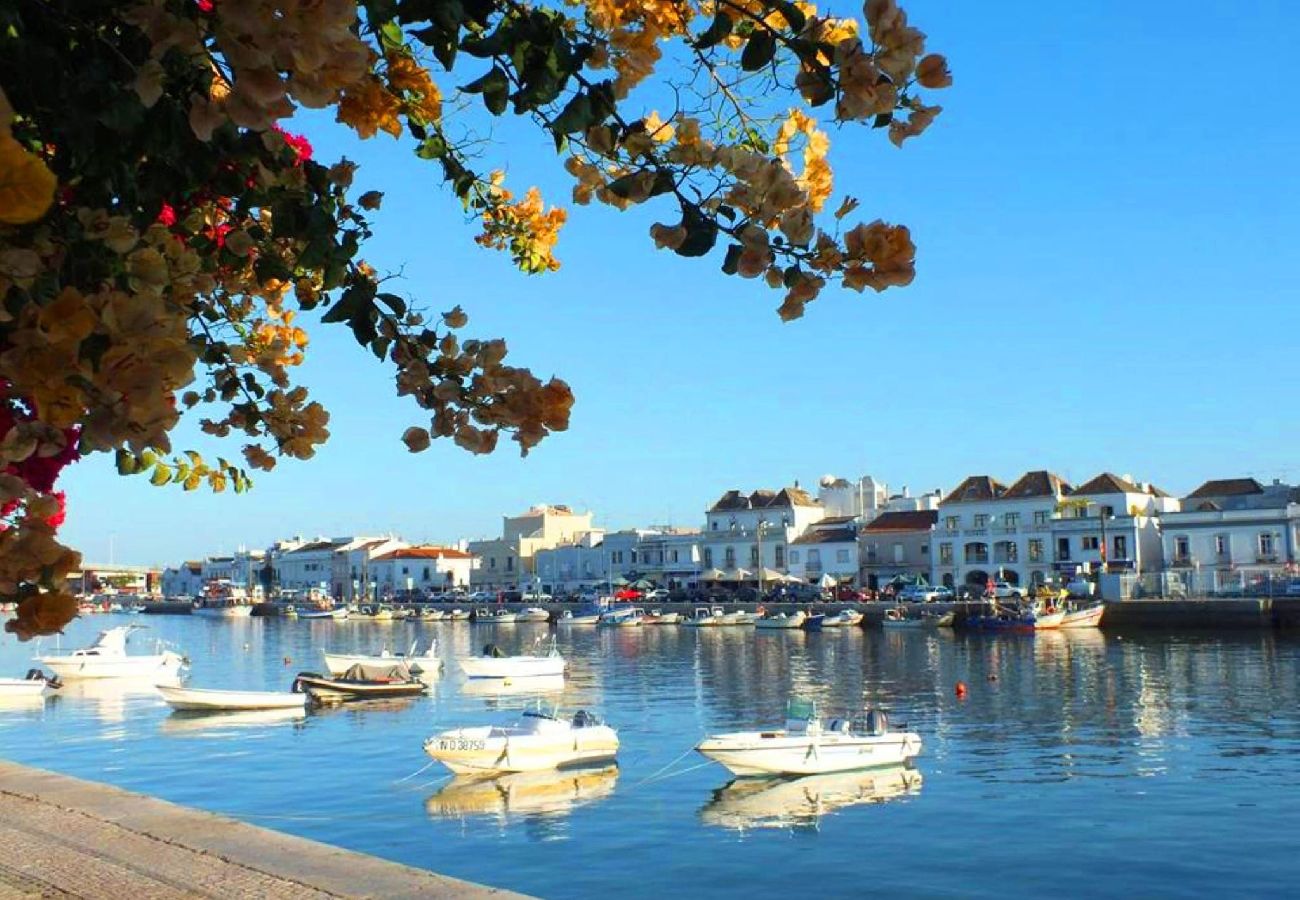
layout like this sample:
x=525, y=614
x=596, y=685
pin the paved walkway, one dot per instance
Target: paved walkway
x=64, y=837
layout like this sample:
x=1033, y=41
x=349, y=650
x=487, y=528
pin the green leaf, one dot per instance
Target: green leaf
x=716, y=33
x=495, y=88
x=759, y=51
x=162, y=474
x=791, y=13
x=576, y=117
x=127, y=464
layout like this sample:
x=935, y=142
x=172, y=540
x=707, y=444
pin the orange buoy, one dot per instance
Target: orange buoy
x=960, y=689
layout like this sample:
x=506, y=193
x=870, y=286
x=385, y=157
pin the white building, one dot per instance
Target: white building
x=670, y=557
x=863, y=499
x=420, y=569
x=308, y=567
x=507, y=562
x=1110, y=522
x=185, y=580
x=896, y=544
x=828, y=547
x=745, y=531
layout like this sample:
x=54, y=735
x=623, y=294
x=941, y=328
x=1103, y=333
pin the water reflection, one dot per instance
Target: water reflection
x=522, y=794
x=800, y=802
x=504, y=687
x=192, y=722
x=111, y=698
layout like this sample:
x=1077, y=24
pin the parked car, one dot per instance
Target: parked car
x=1005, y=590
x=483, y=596
x=658, y=594
x=536, y=597
x=924, y=593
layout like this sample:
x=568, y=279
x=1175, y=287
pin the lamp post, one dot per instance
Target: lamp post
x=762, y=523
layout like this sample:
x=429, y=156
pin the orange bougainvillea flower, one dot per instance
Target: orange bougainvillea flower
x=42, y=614
x=26, y=184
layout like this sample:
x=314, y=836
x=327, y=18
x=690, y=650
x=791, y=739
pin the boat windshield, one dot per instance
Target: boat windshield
x=801, y=709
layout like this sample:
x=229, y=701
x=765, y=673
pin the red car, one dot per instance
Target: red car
x=627, y=594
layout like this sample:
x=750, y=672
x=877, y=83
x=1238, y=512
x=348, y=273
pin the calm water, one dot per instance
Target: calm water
x=1081, y=763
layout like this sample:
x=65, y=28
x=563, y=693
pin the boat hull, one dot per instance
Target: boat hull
x=1084, y=618
x=781, y=623
x=473, y=751
x=338, y=663
x=22, y=687
x=216, y=700
x=511, y=666
x=330, y=690
x=749, y=753
x=223, y=612
x=164, y=667
x=579, y=620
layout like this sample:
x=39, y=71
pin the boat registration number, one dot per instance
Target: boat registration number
x=456, y=744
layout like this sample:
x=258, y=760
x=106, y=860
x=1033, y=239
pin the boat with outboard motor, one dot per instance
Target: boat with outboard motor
x=707, y=617
x=107, y=658
x=390, y=680
x=211, y=700
x=426, y=663
x=807, y=746
x=502, y=616
x=845, y=618
x=496, y=664
x=659, y=617
x=781, y=621
x=538, y=741
x=625, y=617
x=34, y=684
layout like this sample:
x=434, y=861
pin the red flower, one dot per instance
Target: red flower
x=206, y=6
x=299, y=143
x=58, y=518
x=167, y=215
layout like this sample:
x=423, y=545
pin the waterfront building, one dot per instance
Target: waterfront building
x=1110, y=524
x=351, y=578
x=308, y=567
x=988, y=530
x=185, y=580
x=111, y=578
x=863, y=499
x=420, y=569
x=744, y=532
x=1232, y=534
x=669, y=557
x=507, y=562
x=828, y=547
x=896, y=544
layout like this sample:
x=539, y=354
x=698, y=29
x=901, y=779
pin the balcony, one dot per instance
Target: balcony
x=974, y=531
x=1266, y=557
x=981, y=559
x=1181, y=562
x=1009, y=558
x=1005, y=529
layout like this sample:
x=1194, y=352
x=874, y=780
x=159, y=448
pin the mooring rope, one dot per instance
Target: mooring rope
x=418, y=771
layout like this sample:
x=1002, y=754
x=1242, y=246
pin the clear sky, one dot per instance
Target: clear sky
x=1107, y=221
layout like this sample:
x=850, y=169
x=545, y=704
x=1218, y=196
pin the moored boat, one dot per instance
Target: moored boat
x=361, y=683
x=659, y=617
x=897, y=618
x=374, y=612
x=107, y=658
x=429, y=614
x=33, y=684
x=533, y=614
x=781, y=621
x=806, y=746
x=707, y=617
x=458, y=615
x=568, y=617
x=628, y=617
x=426, y=663
x=220, y=700
x=221, y=608
x=538, y=741
x=339, y=612
x=496, y=664
x=845, y=618
x=1085, y=617
x=1025, y=617
x=485, y=616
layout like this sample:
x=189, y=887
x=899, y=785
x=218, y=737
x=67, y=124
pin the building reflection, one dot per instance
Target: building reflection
x=801, y=802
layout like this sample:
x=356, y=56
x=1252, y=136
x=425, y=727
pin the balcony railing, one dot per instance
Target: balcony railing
x=1265, y=557
x=980, y=530
x=1006, y=529
x=1005, y=558
x=980, y=558
x=1181, y=561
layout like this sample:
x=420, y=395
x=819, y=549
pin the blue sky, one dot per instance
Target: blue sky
x=1106, y=220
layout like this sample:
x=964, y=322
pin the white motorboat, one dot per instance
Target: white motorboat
x=426, y=663
x=658, y=617
x=107, y=658
x=458, y=615
x=541, y=794
x=782, y=621
x=485, y=616
x=537, y=741
x=629, y=617
x=739, y=617
x=568, y=617
x=338, y=612
x=495, y=664
x=845, y=618
x=800, y=802
x=807, y=747
x=216, y=701
x=707, y=617
x=533, y=614
x=33, y=684
x=429, y=614
x=221, y=608
x=1087, y=617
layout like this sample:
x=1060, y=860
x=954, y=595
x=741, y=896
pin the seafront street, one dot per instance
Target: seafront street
x=64, y=837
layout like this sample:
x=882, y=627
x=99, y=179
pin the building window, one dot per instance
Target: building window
x=925, y=549
x=1121, y=546
x=1042, y=517
x=753, y=554
x=814, y=557
x=1221, y=545
x=1011, y=519
x=404, y=570
x=730, y=557
x=1182, y=548
x=1267, y=548
x=945, y=554
x=1090, y=542
x=510, y=563
x=1063, y=548
x=842, y=556
x=1036, y=550
x=981, y=520
x=713, y=526
x=952, y=522
x=780, y=557
x=492, y=562
x=794, y=557
x=708, y=557
x=899, y=556
x=673, y=553
x=633, y=557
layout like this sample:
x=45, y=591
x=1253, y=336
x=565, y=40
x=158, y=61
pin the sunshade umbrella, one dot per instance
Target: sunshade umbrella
x=620, y=581
x=771, y=575
x=738, y=574
x=826, y=581
x=643, y=585
x=712, y=575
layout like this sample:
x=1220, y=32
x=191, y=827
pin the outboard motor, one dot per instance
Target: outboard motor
x=877, y=723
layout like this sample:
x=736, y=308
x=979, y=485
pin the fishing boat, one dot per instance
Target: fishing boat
x=485, y=616
x=426, y=663
x=799, y=802
x=221, y=608
x=569, y=617
x=1084, y=617
x=338, y=612
x=33, y=684
x=210, y=700
x=806, y=746
x=107, y=658
x=845, y=618
x=547, y=793
x=391, y=680
x=898, y=619
x=622, y=618
x=374, y=612
x=1024, y=617
x=707, y=617
x=495, y=664
x=659, y=617
x=458, y=615
x=533, y=614
x=429, y=614
x=781, y=621
x=739, y=617
x=538, y=741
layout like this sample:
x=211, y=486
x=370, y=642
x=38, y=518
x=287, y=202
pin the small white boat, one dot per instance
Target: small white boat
x=107, y=658
x=782, y=621
x=845, y=618
x=374, y=612
x=629, y=617
x=429, y=614
x=537, y=741
x=483, y=615
x=806, y=747
x=495, y=664
x=458, y=615
x=568, y=617
x=340, y=612
x=896, y=619
x=216, y=701
x=533, y=614
x=707, y=617
x=135, y=609
x=658, y=617
x=1087, y=617
x=33, y=684
x=221, y=608
x=739, y=617
x=426, y=663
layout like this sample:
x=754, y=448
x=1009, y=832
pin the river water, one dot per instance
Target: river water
x=1086, y=764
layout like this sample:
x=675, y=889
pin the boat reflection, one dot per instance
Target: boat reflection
x=192, y=722
x=799, y=802
x=16, y=702
x=500, y=687
x=523, y=794
x=111, y=697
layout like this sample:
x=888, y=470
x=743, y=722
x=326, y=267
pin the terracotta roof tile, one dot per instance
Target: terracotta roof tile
x=1227, y=487
x=1106, y=483
x=907, y=520
x=425, y=553
x=1038, y=483
x=975, y=488
x=828, y=536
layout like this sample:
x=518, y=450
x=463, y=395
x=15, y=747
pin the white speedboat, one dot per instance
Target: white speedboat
x=217, y=701
x=707, y=617
x=33, y=684
x=799, y=802
x=107, y=658
x=533, y=614
x=782, y=621
x=845, y=618
x=629, y=617
x=483, y=615
x=221, y=608
x=568, y=617
x=537, y=741
x=658, y=617
x=807, y=747
x=426, y=663
x=495, y=664
x=458, y=615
